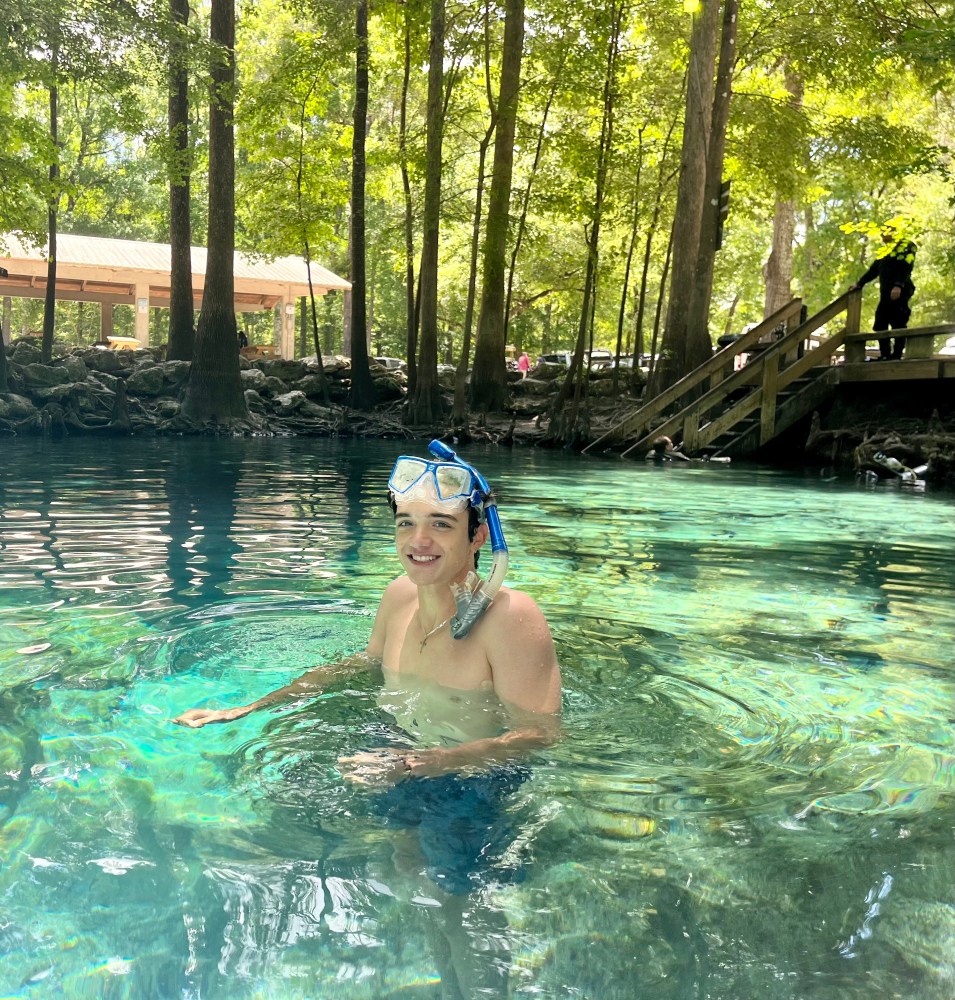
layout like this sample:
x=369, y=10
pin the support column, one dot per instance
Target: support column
x=105, y=321
x=288, y=324
x=142, y=314
x=7, y=318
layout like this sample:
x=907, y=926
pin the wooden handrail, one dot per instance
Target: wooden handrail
x=710, y=367
x=754, y=373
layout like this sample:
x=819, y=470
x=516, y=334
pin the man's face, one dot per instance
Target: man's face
x=432, y=543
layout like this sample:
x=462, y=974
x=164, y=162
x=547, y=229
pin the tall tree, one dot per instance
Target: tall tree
x=425, y=406
x=53, y=205
x=569, y=423
x=181, y=297
x=699, y=345
x=363, y=395
x=489, y=378
x=214, y=391
x=674, y=360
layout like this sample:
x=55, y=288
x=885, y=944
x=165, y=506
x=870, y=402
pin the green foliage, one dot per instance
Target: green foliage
x=846, y=112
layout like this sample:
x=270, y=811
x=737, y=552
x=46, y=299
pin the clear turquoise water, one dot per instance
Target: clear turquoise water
x=753, y=797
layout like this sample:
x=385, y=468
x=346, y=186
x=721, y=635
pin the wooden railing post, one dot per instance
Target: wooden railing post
x=767, y=400
x=855, y=349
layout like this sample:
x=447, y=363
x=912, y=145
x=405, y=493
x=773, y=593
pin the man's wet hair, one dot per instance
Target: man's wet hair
x=474, y=519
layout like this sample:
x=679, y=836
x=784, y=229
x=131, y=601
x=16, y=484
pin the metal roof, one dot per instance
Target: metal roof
x=133, y=255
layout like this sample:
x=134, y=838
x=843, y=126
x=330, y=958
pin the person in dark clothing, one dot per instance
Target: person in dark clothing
x=893, y=268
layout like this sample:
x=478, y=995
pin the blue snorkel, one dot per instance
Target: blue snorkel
x=474, y=596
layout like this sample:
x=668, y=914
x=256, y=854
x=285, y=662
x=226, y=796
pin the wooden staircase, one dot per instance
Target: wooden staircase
x=733, y=408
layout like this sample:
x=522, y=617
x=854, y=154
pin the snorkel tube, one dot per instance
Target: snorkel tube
x=474, y=596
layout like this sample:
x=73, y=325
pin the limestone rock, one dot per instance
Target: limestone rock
x=26, y=354
x=38, y=376
x=255, y=402
x=175, y=373
x=314, y=386
x=287, y=371
x=146, y=380
x=288, y=403
x=112, y=362
x=252, y=378
x=75, y=366
x=14, y=407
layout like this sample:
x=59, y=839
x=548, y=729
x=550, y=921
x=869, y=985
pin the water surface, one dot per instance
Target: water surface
x=753, y=796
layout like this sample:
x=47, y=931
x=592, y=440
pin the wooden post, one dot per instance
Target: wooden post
x=7, y=318
x=142, y=314
x=855, y=349
x=691, y=432
x=767, y=401
x=105, y=321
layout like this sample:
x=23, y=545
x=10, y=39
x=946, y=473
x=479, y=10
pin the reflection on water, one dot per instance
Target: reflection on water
x=752, y=797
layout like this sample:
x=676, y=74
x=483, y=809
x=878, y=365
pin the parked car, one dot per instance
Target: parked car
x=392, y=364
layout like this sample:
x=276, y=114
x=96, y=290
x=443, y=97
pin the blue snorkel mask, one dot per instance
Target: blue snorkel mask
x=451, y=483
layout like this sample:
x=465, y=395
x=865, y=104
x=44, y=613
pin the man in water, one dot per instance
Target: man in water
x=463, y=686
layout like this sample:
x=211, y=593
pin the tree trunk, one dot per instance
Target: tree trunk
x=631, y=244
x=181, y=339
x=459, y=409
x=425, y=406
x=699, y=341
x=569, y=424
x=489, y=378
x=411, y=313
x=689, y=203
x=778, y=270
x=214, y=390
x=526, y=198
x=49, y=300
x=363, y=395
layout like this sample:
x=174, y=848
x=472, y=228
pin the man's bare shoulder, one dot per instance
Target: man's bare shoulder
x=400, y=591
x=516, y=609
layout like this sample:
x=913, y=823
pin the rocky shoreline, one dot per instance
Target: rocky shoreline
x=103, y=392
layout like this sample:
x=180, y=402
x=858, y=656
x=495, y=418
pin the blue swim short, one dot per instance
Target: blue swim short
x=462, y=823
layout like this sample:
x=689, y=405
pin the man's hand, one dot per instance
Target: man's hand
x=196, y=718
x=895, y=293
x=388, y=767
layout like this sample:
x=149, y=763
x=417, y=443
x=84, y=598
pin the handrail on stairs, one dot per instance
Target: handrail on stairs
x=771, y=371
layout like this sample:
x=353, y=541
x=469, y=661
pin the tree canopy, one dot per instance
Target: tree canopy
x=842, y=112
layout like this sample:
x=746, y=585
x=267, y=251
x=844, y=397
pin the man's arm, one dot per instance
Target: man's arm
x=311, y=683
x=870, y=275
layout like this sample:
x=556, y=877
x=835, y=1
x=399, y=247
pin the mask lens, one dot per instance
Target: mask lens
x=406, y=473
x=452, y=480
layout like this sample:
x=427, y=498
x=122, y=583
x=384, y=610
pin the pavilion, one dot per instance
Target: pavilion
x=126, y=272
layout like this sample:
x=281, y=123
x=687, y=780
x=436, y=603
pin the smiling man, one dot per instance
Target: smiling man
x=469, y=668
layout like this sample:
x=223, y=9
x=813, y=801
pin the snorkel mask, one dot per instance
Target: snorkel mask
x=453, y=485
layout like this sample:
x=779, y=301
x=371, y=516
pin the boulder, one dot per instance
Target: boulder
x=111, y=362
x=55, y=393
x=288, y=403
x=314, y=386
x=287, y=371
x=14, y=407
x=534, y=387
x=25, y=353
x=255, y=402
x=37, y=376
x=272, y=386
x=389, y=388
x=145, y=380
x=166, y=409
x=175, y=373
x=252, y=378
x=107, y=381
x=76, y=368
